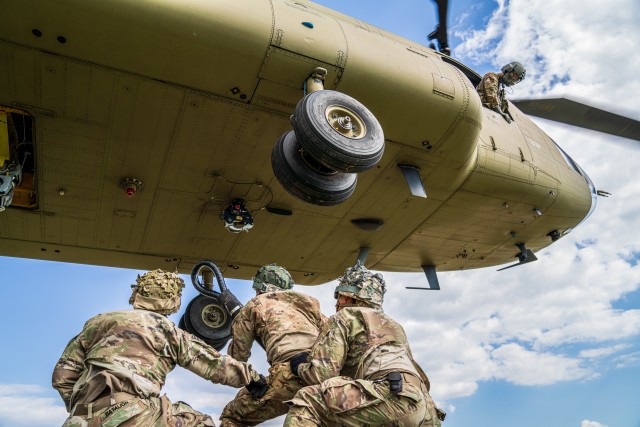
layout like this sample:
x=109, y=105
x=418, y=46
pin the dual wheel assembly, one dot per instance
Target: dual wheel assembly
x=334, y=137
x=209, y=315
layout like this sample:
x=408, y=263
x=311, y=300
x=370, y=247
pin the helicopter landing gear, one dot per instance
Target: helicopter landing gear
x=209, y=315
x=334, y=137
x=305, y=178
x=338, y=131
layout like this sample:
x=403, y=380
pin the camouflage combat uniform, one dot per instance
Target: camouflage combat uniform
x=112, y=372
x=356, y=350
x=350, y=363
x=490, y=94
x=129, y=353
x=284, y=323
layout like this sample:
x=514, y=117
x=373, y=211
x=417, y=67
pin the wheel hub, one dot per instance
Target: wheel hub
x=214, y=316
x=346, y=122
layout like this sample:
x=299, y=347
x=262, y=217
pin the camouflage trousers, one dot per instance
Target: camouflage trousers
x=152, y=412
x=244, y=410
x=342, y=401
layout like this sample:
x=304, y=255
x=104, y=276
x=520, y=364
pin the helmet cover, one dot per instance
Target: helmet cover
x=359, y=283
x=157, y=291
x=272, y=278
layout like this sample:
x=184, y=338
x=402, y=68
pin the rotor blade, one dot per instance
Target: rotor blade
x=441, y=32
x=578, y=114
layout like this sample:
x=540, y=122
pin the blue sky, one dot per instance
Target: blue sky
x=554, y=343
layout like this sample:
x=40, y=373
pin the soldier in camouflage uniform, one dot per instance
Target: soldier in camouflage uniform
x=284, y=323
x=361, y=369
x=112, y=372
x=491, y=88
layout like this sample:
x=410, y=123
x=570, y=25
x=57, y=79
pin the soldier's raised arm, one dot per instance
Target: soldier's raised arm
x=242, y=333
x=204, y=361
x=328, y=353
x=112, y=373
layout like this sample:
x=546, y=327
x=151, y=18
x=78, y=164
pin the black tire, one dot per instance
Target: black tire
x=183, y=323
x=321, y=122
x=306, y=179
x=208, y=318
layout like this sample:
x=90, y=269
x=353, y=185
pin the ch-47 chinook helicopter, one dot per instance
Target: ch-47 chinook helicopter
x=155, y=133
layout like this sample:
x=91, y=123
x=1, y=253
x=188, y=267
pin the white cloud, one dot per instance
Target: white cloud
x=524, y=367
x=587, y=423
x=595, y=353
x=627, y=360
x=478, y=44
x=572, y=47
x=30, y=405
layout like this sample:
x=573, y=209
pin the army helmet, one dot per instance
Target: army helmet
x=516, y=68
x=271, y=278
x=359, y=283
x=157, y=290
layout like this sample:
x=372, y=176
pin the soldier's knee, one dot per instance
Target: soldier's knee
x=207, y=423
x=226, y=422
x=300, y=416
x=229, y=419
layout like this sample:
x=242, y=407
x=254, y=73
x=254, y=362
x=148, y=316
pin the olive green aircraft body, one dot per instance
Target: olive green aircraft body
x=181, y=103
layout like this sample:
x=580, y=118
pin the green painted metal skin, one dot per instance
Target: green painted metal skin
x=189, y=98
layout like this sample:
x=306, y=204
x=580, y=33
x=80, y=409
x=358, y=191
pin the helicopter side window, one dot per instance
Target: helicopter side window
x=573, y=165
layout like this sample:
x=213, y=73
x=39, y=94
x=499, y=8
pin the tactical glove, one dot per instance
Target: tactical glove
x=258, y=388
x=296, y=360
